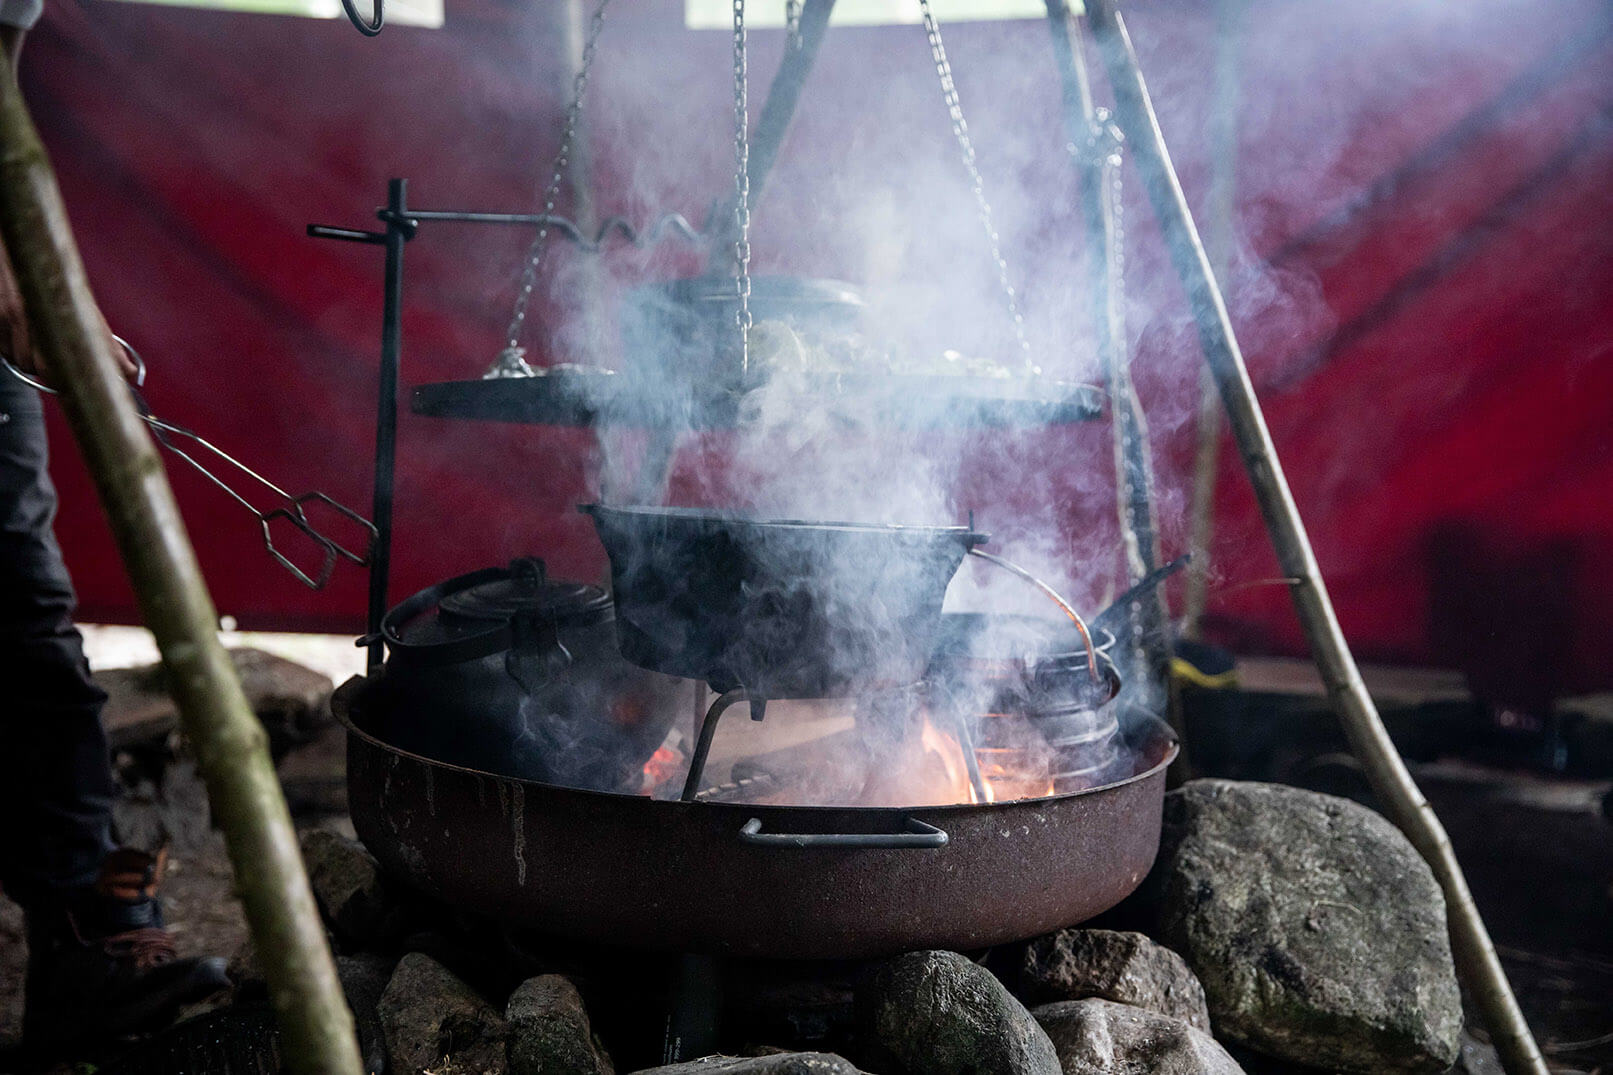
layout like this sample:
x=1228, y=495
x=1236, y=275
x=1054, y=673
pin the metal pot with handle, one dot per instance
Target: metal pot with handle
x=792, y=882
x=511, y=672
x=781, y=608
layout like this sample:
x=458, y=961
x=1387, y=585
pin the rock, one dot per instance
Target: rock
x=1127, y=968
x=938, y=1013
x=550, y=1033
x=1100, y=1037
x=364, y=980
x=1479, y=1058
x=1317, y=930
x=774, y=1064
x=292, y=701
x=353, y=896
x=432, y=1020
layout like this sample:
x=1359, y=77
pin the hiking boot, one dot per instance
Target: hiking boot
x=102, y=965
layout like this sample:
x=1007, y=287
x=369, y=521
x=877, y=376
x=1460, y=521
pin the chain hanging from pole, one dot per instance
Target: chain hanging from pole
x=1104, y=151
x=742, y=187
x=1096, y=147
x=511, y=361
x=792, y=24
x=977, y=183
x=1148, y=621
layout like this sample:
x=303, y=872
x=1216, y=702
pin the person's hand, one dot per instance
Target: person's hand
x=16, y=344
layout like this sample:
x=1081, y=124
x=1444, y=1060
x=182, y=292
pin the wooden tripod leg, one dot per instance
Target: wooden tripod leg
x=1475, y=955
x=232, y=749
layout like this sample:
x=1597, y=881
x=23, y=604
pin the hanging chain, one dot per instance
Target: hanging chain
x=742, y=187
x=960, y=131
x=792, y=23
x=1106, y=144
x=511, y=361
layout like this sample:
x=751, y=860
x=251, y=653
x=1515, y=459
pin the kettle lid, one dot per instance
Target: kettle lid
x=527, y=592
x=473, y=615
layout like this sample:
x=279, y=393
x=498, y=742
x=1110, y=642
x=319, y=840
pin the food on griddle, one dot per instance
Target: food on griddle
x=779, y=348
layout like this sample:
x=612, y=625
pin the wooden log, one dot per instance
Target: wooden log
x=231, y=746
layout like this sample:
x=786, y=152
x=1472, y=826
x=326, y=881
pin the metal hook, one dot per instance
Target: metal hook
x=367, y=28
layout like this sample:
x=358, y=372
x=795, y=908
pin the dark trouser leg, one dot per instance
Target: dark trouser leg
x=56, y=784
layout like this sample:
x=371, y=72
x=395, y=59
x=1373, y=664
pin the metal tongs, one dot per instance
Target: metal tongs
x=291, y=507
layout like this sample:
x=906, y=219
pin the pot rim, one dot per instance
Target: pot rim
x=732, y=518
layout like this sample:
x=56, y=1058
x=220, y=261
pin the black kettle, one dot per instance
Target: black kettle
x=510, y=672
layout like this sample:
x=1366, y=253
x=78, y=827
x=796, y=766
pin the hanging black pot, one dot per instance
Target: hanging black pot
x=782, y=608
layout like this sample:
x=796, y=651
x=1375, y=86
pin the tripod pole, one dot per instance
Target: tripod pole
x=1404, y=802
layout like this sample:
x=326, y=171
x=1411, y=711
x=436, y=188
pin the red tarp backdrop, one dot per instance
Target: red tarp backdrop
x=1422, y=280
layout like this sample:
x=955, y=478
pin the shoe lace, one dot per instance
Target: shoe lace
x=147, y=947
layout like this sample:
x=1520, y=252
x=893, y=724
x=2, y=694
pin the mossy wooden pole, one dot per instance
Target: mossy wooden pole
x=1404, y=802
x=231, y=747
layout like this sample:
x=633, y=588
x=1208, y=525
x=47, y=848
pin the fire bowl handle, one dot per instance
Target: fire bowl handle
x=917, y=834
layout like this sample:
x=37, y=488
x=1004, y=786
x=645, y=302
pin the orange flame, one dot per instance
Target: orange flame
x=952, y=769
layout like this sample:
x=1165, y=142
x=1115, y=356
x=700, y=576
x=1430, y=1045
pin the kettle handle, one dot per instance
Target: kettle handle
x=536, y=655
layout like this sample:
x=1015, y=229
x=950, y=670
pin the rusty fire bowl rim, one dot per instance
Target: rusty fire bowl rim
x=341, y=705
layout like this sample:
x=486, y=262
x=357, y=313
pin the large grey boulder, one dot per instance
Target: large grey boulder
x=1100, y=1037
x=1127, y=968
x=774, y=1064
x=938, y=1013
x=550, y=1033
x=1317, y=930
x=433, y=1020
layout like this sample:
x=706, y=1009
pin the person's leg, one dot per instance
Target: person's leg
x=56, y=785
x=100, y=961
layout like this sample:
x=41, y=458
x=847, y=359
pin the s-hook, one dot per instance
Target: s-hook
x=370, y=27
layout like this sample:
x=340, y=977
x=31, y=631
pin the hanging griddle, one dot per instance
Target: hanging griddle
x=594, y=396
x=763, y=881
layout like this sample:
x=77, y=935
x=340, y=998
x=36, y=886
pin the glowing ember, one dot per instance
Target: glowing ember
x=664, y=764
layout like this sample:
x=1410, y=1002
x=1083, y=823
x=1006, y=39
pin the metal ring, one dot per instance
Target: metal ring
x=367, y=27
x=25, y=379
x=139, y=363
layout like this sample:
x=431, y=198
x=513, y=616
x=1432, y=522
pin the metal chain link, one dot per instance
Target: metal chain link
x=742, y=186
x=1108, y=142
x=960, y=131
x=792, y=23
x=511, y=361
x=1106, y=145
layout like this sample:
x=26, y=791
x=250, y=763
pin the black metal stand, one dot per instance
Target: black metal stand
x=401, y=225
x=399, y=230
x=693, y=1008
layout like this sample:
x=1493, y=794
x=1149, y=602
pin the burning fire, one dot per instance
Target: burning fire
x=1004, y=774
x=945, y=748
x=663, y=765
x=925, y=767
